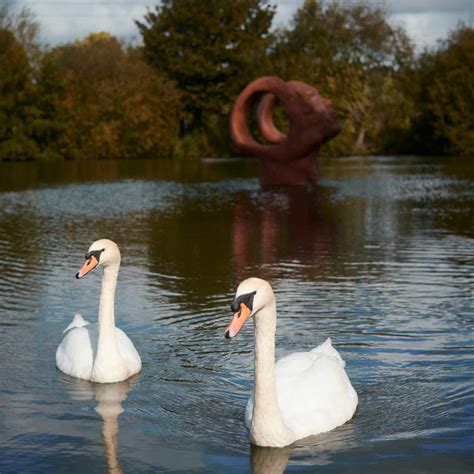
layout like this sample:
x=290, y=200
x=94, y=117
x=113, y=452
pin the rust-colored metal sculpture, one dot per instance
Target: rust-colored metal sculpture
x=291, y=158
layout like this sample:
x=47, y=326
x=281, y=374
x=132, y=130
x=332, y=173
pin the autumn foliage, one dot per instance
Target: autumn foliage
x=171, y=96
x=111, y=102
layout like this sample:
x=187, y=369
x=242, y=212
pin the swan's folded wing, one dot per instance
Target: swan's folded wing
x=318, y=398
x=77, y=322
x=299, y=362
x=288, y=368
x=74, y=355
x=128, y=352
x=326, y=348
x=293, y=364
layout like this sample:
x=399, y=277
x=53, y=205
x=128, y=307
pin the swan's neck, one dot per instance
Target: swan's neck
x=106, y=307
x=108, y=360
x=268, y=427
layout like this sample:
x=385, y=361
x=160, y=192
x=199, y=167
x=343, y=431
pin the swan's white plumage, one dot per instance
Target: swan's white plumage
x=304, y=393
x=99, y=352
x=313, y=391
x=76, y=353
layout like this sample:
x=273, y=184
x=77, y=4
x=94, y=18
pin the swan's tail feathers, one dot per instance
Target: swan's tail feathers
x=326, y=348
x=77, y=322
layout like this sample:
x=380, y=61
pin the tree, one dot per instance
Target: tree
x=16, y=91
x=112, y=104
x=24, y=27
x=352, y=55
x=28, y=127
x=445, y=95
x=207, y=48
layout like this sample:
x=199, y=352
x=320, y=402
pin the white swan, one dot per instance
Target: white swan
x=305, y=393
x=99, y=352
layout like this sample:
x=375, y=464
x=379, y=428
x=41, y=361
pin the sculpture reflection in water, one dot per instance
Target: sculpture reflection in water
x=288, y=158
x=284, y=222
x=109, y=398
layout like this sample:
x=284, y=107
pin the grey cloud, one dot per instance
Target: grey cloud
x=67, y=20
x=426, y=6
x=63, y=21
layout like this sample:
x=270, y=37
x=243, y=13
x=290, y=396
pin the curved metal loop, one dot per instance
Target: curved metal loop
x=311, y=119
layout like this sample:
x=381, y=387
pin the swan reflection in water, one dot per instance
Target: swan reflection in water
x=109, y=398
x=269, y=460
x=313, y=451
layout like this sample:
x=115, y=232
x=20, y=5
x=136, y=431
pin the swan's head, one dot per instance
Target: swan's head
x=252, y=295
x=102, y=252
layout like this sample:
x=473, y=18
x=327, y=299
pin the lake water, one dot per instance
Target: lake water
x=379, y=257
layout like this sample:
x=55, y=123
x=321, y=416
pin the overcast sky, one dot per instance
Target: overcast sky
x=64, y=20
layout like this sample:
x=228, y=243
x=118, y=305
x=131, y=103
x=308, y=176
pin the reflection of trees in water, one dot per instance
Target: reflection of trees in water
x=285, y=224
x=452, y=209
x=218, y=235
x=20, y=254
x=210, y=241
x=193, y=244
x=109, y=398
x=21, y=176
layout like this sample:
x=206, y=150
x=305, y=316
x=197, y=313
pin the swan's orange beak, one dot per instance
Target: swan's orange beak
x=237, y=321
x=90, y=264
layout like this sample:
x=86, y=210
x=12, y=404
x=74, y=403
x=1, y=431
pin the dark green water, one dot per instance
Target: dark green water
x=379, y=257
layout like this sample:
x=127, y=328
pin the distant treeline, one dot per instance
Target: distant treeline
x=171, y=96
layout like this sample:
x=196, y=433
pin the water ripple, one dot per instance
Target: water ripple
x=360, y=261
